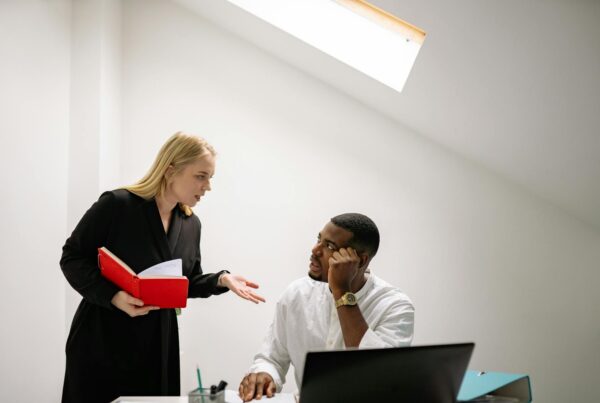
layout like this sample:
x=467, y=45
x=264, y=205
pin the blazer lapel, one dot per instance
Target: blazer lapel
x=157, y=230
x=174, y=229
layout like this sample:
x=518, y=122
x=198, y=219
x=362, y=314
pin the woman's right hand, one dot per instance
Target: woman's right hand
x=131, y=305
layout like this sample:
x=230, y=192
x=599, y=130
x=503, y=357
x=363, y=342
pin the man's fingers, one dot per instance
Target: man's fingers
x=250, y=387
x=343, y=255
x=260, y=381
x=242, y=388
x=343, y=252
x=264, y=385
x=255, y=385
x=270, y=389
x=348, y=253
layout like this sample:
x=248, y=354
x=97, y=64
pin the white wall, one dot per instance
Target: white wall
x=95, y=123
x=60, y=139
x=481, y=258
x=34, y=133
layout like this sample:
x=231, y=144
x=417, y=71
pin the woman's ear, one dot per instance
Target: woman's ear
x=169, y=172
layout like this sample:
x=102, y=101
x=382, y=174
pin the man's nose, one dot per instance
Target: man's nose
x=316, y=250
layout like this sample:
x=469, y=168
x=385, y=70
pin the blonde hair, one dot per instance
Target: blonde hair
x=180, y=150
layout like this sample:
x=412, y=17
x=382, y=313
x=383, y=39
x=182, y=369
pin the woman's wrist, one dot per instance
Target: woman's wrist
x=220, y=280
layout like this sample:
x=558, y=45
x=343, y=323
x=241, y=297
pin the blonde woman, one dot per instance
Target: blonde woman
x=118, y=346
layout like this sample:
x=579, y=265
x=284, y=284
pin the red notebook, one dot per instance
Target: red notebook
x=162, y=291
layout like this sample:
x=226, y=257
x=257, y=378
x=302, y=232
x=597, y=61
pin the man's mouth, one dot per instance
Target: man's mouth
x=314, y=264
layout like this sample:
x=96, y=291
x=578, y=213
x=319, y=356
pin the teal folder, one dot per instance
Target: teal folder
x=493, y=386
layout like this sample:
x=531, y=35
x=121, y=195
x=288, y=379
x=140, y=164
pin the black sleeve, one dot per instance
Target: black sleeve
x=203, y=285
x=79, y=261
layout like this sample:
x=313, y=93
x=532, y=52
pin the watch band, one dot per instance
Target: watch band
x=348, y=299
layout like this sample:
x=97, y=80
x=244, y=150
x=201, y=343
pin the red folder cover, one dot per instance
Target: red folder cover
x=162, y=291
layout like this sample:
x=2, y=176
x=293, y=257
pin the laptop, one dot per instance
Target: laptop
x=431, y=374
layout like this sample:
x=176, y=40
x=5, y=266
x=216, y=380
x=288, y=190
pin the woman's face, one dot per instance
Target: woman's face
x=190, y=184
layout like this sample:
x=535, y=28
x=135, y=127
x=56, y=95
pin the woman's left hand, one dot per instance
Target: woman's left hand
x=242, y=287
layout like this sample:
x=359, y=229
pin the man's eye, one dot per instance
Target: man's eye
x=331, y=247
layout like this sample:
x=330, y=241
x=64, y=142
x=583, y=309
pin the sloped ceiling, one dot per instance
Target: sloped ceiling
x=512, y=85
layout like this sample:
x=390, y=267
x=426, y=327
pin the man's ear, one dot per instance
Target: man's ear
x=364, y=260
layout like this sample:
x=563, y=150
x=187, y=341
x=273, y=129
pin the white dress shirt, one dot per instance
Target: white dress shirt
x=306, y=320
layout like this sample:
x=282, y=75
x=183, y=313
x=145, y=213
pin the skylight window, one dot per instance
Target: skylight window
x=353, y=31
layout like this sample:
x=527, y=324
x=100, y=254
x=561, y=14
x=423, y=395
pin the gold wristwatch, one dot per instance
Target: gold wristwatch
x=346, y=299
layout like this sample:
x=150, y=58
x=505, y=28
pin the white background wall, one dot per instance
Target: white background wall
x=34, y=134
x=95, y=124
x=482, y=259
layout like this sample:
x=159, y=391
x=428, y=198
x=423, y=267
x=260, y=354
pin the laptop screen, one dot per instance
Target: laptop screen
x=431, y=374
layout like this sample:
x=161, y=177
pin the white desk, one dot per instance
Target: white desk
x=231, y=396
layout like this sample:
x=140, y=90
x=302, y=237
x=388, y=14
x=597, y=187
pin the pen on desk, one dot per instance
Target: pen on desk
x=199, y=378
x=200, y=388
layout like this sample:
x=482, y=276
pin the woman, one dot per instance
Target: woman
x=118, y=346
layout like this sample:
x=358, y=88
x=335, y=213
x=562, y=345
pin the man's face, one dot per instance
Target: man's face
x=330, y=239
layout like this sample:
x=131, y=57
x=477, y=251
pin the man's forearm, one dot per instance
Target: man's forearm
x=352, y=323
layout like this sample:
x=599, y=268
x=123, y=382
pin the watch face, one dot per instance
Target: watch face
x=346, y=299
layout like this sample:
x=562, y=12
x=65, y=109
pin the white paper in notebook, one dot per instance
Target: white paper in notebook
x=168, y=268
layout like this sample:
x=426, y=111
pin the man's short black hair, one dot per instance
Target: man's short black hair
x=365, y=233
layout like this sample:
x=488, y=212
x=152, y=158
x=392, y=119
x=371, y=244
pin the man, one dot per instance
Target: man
x=339, y=305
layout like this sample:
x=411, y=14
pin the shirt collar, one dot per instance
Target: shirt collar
x=366, y=287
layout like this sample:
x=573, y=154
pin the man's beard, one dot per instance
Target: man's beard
x=316, y=277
